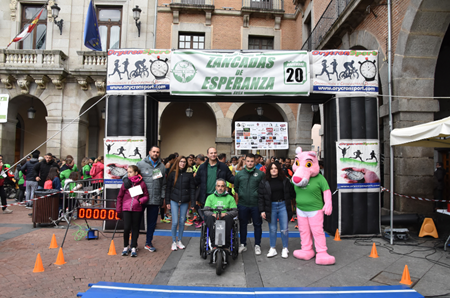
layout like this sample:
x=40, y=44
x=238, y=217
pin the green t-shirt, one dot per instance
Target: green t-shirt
x=224, y=200
x=85, y=169
x=309, y=198
x=211, y=178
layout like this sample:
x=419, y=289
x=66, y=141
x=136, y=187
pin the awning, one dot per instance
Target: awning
x=431, y=134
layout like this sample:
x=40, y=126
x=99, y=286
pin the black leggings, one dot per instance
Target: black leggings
x=3, y=196
x=132, y=223
x=21, y=194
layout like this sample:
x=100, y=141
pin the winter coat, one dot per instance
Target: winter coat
x=156, y=187
x=42, y=169
x=66, y=171
x=97, y=170
x=202, y=176
x=28, y=169
x=125, y=202
x=265, y=198
x=246, y=186
x=85, y=172
x=184, y=189
x=5, y=168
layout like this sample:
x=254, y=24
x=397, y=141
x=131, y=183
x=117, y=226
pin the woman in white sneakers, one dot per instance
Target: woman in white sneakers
x=180, y=191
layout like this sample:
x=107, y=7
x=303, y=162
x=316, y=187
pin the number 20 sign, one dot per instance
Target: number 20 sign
x=295, y=72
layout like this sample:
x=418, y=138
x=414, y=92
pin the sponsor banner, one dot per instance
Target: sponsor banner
x=348, y=72
x=138, y=71
x=268, y=73
x=119, y=154
x=358, y=164
x=4, y=100
x=261, y=135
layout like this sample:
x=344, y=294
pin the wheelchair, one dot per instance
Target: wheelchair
x=220, y=255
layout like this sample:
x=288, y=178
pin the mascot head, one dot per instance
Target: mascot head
x=305, y=166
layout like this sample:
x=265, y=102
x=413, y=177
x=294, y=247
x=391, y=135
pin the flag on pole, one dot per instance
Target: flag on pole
x=91, y=34
x=27, y=31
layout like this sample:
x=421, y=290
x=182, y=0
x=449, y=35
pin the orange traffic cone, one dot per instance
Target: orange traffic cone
x=38, y=267
x=373, y=253
x=337, y=237
x=60, y=258
x=112, y=249
x=428, y=228
x=53, y=243
x=406, y=279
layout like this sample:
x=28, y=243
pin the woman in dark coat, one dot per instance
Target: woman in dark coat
x=274, y=202
x=180, y=191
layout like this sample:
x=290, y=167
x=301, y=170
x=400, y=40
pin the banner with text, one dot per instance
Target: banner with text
x=358, y=164
x=348, y=72
x=119, y=154
x=268, y=73
x=4, y=100
x=261, y=135
x=137, y=71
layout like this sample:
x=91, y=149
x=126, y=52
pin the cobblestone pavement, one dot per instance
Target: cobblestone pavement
x=87, y=261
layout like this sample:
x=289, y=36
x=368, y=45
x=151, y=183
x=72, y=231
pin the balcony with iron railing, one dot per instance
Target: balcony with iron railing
x=263, y=5
x=192, y=4
x=339, y=16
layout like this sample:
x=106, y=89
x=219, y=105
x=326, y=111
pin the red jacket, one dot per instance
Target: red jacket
x=97, y=170
x=127, y=203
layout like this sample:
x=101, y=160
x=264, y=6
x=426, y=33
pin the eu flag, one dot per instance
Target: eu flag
x=91, y=35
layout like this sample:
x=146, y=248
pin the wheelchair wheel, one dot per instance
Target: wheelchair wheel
x=203, y=243
x=219, y=263
x=235, y=251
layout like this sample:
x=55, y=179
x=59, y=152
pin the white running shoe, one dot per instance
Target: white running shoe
x=242, y=248
x=272, y=252
x=180, y=245
x=285, y=253
x=257, y=250
x=174, y=246
x=7, y=211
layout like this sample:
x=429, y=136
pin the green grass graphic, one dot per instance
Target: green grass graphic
x=120, y=159
x=357, y=161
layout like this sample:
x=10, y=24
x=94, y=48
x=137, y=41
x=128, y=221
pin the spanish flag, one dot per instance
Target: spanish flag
x=27, y=31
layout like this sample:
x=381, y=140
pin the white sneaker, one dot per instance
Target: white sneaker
x=272, y=252
x=257, y=250
x=180, y=245
x=7, y=211
x=242, y=248
x=285, y=253
x=174, y=246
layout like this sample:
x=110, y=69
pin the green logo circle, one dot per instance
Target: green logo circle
x=184, y=71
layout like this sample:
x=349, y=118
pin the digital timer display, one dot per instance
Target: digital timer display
x=97, y=214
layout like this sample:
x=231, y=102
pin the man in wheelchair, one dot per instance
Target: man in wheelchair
x=220, y=198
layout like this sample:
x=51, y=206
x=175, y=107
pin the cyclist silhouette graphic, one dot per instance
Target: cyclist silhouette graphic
x=141, y=70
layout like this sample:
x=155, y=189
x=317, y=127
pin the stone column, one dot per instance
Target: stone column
x=54, y=124
x=69, y=139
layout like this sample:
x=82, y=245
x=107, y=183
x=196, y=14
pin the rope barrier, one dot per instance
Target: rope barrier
x=98, y=191
x=413, y=197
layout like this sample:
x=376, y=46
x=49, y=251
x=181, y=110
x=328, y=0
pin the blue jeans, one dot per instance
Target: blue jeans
x=244, y=214
x=152, y=217
x=279, y=212
x=178, y=216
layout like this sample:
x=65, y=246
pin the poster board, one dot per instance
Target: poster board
x=261, y=135
x=4, y=100
x=137, y=71
x=358, y=164
x=119, y=154
x=284, y=73
x=344, y=72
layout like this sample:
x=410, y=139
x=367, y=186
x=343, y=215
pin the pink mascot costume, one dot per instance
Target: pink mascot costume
x=309, y=187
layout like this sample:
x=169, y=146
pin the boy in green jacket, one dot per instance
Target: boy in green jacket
x=220, y=198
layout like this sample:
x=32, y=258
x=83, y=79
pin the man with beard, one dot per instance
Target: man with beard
x=43, y=168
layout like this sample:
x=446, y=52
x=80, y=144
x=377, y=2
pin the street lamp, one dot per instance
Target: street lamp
x=55, y=13
x=259, y=111
x=137, y=15
x=31, y=112
x=189, y=112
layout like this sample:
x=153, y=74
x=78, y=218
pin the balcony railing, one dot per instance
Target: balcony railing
x=93, y=59
x=263, y=4
x=326, y=21
x=194, y=2
x=32, y=58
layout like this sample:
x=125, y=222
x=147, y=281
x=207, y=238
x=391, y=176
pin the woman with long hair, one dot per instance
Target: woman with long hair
x=180, y=191
x=86, y=168
x=274, y=202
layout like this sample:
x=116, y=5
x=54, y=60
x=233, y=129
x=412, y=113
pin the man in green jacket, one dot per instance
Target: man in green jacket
x=246, y=184
x=220, y=198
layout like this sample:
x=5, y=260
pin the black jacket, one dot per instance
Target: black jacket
x=42, y=169
x=184, y=189
x=28, y=169
x=265, y=197
x=202, y=176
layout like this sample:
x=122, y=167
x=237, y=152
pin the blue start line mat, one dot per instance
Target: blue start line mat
x=265, y=234
x=124, y=290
